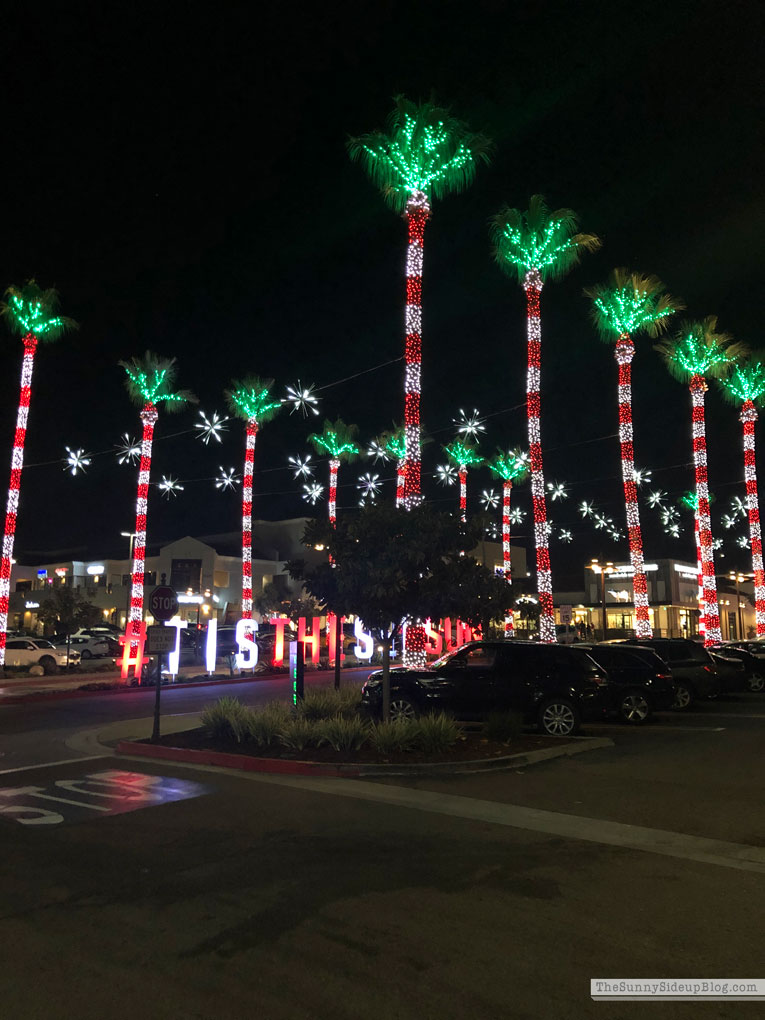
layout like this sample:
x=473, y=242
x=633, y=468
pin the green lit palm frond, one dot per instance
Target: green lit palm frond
x=29, y=309
x=698, y=348
x=337, y=440
x=394, y=442
x=423, y=149
x=746, y=382
x=690, y=500
x=251, y=399
x=464, y=455
x=150, y=380
x=509, y=465
x=539, y=239
x=631, y=303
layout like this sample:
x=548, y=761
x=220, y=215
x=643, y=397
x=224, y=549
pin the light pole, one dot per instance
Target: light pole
x=132, y=535
x=738, y=578
x=596, y=568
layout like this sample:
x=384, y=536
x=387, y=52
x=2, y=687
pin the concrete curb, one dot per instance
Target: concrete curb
x=247, y=763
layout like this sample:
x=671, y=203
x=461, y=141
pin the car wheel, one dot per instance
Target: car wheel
x=756, y=682
x=49, y=664
x=402, y=708
x=683, y=698
x=634, y=708
x=558, y=718
x=85, y=654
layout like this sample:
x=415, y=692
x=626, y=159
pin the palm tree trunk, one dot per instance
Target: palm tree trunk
x=334, y=465
x=624, y=352
x=417, y=213
x=532, y=284
x=249, y=464
x=12, y=506
x=712, y=633
x=463, y=494
x=699, y=572
x=507, y=488
x=148, y=417
x=400, y=476
x=748, y=418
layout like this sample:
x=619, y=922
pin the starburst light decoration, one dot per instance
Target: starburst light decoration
x=742, y=542
x=301, y=466
x=728, y=520
x=369, y=485
x=377, y=452
x=312, y=492
x=717, y=543
x=517, y=515
x=227, y=479
x=641, y=476
x=670, y=515
x=557, y=491
x=564, y=535
x=211, y=428
x=738, y=506
x=129, y=450
x=302, y=398
x=469, y=424
x=489, y=499
x=587, y=509
x=169, y=486
x=656, y=498
x=76, y=461
x=673, y=530
x=446, y=474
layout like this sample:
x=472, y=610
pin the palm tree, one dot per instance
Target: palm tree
x=746, y=386
x=338, y=440
x=463, y=455
x=535, y=246
x=149, y=383
x=690, y=500
x=424, y=153
x=250, y=400
x=697, y=353
x=631, y=303
x=32, y=314
x=510, y=466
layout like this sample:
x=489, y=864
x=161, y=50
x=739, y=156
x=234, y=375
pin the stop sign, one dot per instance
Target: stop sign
x=163, y=603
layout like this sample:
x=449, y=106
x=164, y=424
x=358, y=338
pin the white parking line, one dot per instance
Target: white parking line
x=49, y=764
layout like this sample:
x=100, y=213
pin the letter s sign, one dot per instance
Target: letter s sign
x=247, y=656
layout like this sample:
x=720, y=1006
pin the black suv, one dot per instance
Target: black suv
x=552, y=686
x=751, y=654
x=639, y=682
x=693, y=669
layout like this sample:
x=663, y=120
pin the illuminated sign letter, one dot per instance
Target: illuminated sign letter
x=311, y=639
x=365, y=638
x=434, y=642
x=174, y=658
x=211, y=647
x=280, y=623
x=247, y=656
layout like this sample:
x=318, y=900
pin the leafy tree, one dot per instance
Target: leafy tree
x=389, y=566
x=65, y=609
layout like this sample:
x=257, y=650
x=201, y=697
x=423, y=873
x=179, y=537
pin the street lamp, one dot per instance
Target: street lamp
x=132, y=535
x=607, y=568
x=734, y=575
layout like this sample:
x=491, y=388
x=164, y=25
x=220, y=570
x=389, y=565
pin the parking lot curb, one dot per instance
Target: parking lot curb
x=249, y=763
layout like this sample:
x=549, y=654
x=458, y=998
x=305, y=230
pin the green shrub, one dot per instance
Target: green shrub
x=503, y=726
x=266, y=725
x=326, y=703
x=437, y=733
x=343, y=734
x=394, y=735
x=299, y=733
x=227, y=719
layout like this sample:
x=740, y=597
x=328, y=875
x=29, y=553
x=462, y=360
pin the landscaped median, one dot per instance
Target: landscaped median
x=327, y=735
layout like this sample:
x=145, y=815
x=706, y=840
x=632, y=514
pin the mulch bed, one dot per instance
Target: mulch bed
x=470, y=747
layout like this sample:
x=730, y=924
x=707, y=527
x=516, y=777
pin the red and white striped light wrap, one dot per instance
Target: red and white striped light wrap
x=148, y=417
x=400, y=476
x=463, y=494
x=334, y=465
x=17, y=463
x=532, y=284
x=624, y=353
x=748, y=418
x=507, y=488
x=249, y=464
x=712, y=633
x=700, y=589
x=417, y=213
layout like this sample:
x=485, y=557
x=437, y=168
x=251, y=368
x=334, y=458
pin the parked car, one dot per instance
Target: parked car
x=554, y=687
x=566, y=634
x=751, y=654
x=731, y=672
x=639, y=682
x=98, y=630
x=26, y=651
x=693, y=669
x=88, y=647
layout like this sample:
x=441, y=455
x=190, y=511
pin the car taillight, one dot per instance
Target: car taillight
x=663, y=676
x=708, y=669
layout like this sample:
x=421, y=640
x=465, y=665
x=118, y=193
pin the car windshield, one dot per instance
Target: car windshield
x=43, y=644
x=444, y=659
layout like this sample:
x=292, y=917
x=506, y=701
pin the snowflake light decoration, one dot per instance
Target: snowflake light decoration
x=370, y=485
x=302, y=398
x=717, y=543
x=728, y=521
x=489, y=499
x=672, y=530
x=170, y=486
x=641, y=476
x=446, y=474
x=492, y=531
x=227, y=479
x=601, y=521
x=469, y=424
x=301, y=466
x=76, y=461
x=517, y=515
x=565, y=535
x=742, y=542
x=738, y=506
x=211, y=428
x=557, y=490
x=378, y=452
x=312, y=493
x=129, y=450
x=586, y=509
x=669, y=515
x=615, y=534
x=656, y=498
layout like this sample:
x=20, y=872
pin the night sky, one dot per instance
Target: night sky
x=182, y=179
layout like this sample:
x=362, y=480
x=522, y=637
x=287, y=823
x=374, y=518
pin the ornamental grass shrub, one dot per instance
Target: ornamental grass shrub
x=503, y=726
x=343, y=734
x=298, y=733
x=266, y=725
x=226, y=719
x=437, y=733
x=326, y=703
x=394, y=735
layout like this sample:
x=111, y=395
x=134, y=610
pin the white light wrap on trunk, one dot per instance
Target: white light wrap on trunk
x=748, y=419
x=712, y=634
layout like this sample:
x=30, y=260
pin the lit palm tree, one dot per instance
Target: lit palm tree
x=33, y=315
x=510, y=466
x=250, y=400
x=535, y=246
x=463, y=455
x=697, y=353
x=339, y=441
x=631, y=303
x=149, y=383
x=424, y=153
x=746, y=386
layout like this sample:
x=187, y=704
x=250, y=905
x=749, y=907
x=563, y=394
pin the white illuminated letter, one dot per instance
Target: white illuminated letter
x=247, y=656
x=364, y=637
x=174, y=658
x=212, y=645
